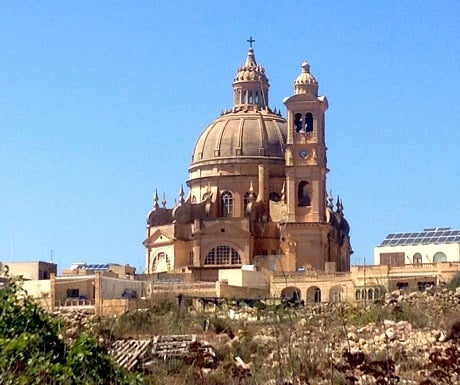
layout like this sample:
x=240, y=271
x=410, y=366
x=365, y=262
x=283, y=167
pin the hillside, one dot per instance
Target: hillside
x=407, y=338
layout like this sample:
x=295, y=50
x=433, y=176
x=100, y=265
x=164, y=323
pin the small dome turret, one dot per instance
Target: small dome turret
x=306, y=83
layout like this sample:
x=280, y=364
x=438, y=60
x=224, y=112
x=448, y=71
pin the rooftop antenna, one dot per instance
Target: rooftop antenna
x=51, y=256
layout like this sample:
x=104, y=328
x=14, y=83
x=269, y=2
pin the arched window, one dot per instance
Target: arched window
x=417, y=258
x=336, y=296
x=222, y=255
x=358, y=294
x=303, y=197
x=161, y=263
x=246, y=200
x=309, y=122
x=226, y=202
x=439, y=257
x=370, y=293
x=298, y=122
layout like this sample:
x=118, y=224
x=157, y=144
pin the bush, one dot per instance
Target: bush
x=33, y=350
x=455, y=282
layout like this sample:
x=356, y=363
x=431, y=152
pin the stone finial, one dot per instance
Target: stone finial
x=339, y=205
x=251, y=192
x=163, y=202
x=330, y=200
x=181, y=195
x=155, y=200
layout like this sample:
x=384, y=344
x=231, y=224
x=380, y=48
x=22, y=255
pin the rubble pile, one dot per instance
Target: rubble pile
x=409, y=332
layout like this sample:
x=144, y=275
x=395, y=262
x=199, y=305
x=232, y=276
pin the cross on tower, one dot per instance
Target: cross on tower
x=250, y=41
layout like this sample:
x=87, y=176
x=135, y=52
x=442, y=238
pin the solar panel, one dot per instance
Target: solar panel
x=432, y=235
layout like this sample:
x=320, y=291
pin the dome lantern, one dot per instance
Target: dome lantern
x=250, y=85
x=306, y=83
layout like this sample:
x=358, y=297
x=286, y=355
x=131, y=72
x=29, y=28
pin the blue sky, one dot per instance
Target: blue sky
x=101, y=104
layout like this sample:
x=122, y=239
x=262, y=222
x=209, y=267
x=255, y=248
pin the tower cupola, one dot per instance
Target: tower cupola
x=306, y=83
x=250, y=85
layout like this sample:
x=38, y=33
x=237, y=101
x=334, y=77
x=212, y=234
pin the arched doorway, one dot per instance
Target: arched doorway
x=336, y=294
x=291, y=294
x=314, y=294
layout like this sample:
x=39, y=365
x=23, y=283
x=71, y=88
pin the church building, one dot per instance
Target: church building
x=256, y=190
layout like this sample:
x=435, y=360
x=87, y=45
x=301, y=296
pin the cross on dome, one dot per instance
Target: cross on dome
x=250, y=41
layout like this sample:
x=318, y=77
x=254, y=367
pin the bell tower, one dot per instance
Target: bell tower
x=306, y=163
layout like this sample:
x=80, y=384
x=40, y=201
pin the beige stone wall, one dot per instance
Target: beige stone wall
x=123, y=271
x=85, y=286
x=246, y=278
x=208, y=275
x=38, y=288
x=31, y=270
x=118, y=306
x=225, y=290
x=112, y=288
x=182, y=251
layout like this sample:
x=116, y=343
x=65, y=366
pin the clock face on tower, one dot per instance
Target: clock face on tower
x=303, y=153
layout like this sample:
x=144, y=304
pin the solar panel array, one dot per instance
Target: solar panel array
x=438, y=235
x=97, y=266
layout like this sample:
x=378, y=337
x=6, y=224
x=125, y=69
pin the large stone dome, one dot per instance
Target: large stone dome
x=241, y=136
x=248, y=133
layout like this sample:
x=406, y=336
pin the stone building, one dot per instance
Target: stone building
x=432, y=245
x=257, y=190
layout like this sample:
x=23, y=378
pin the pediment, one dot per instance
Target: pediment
x=224, y=228
x=158, y=237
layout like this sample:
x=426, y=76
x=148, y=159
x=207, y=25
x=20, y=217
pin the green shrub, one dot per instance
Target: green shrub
x=33, y=351
x=455, y=282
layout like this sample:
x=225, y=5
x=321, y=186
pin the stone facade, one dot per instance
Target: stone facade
x=257, y=190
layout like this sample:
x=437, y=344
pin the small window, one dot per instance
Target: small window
x=298, y=122
x=274, y=196
x=402, y=285
x=422, y=286
x=73, y=293
x=370, y=293
x=309, y=122
x=417, y=259
x=317, y=295
x=303, y=197
x=226, y=201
